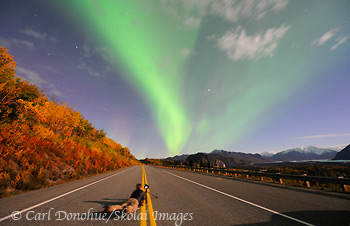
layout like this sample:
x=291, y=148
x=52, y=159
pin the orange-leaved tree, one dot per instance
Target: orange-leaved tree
x=7, y=65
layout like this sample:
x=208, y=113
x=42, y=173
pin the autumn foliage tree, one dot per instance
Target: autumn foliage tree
x=42, y=142
x=7, y=66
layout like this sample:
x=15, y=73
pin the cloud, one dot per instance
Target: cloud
x=35, y=78
x=17, y=42
x=91, y=52
x=211, y=37
x=238, y=45
x=86, y=50
x=101, y=51
x=48, y=68
x=238, y=10
x=329, y=35
x=41, y=36
x=185, y=52
x=84, y=67
x=339, y=41
x=190, y=12
x=192, y=22
x=34, y=34
x=324, y=136
x=8, y=43
x=324, y=38
x=32, y=76
x=106, y=54
x=23, y=43
x=55, y=92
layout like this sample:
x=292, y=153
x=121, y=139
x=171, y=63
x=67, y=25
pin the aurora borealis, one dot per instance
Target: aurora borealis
x=169, y=77
x=142, y=50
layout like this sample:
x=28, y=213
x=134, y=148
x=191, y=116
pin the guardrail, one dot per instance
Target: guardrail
x=344, y=182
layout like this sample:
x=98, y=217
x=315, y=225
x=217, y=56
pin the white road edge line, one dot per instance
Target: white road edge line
x=242, y=200
x=60, y=196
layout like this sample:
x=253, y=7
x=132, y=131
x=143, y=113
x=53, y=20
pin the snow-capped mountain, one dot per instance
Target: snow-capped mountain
x=308, y=153
x=268, y=154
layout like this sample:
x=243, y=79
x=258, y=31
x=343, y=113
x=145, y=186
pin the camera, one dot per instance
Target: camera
x=146, y=190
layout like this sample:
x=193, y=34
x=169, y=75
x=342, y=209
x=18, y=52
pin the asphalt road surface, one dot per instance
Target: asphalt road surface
x=184, y=198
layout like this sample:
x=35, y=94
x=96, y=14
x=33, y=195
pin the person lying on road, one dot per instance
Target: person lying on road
x=135, y=200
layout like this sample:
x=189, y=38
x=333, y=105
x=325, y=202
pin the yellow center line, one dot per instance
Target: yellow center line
x=150, y=207
x=143, y=221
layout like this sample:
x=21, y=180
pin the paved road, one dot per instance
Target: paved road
x=184, y=198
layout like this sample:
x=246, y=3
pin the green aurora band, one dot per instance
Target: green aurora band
x=133, y=31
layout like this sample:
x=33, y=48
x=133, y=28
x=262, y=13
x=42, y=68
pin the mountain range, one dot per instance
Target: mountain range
x=308, y=153
x=228, y=159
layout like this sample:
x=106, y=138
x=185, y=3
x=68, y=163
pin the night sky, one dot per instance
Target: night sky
x=171, y=77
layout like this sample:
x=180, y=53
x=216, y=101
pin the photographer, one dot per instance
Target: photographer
x=135, y=200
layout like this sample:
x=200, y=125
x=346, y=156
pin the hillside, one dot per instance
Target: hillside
x=223, y=158
x=204, y=160
x=343, y=154
x=180, y=158
x=43, y=143
x=248, y=157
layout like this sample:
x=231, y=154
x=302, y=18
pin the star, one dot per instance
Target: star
x=209, y=90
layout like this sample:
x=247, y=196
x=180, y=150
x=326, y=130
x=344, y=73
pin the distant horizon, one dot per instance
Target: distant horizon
x=335, y=148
